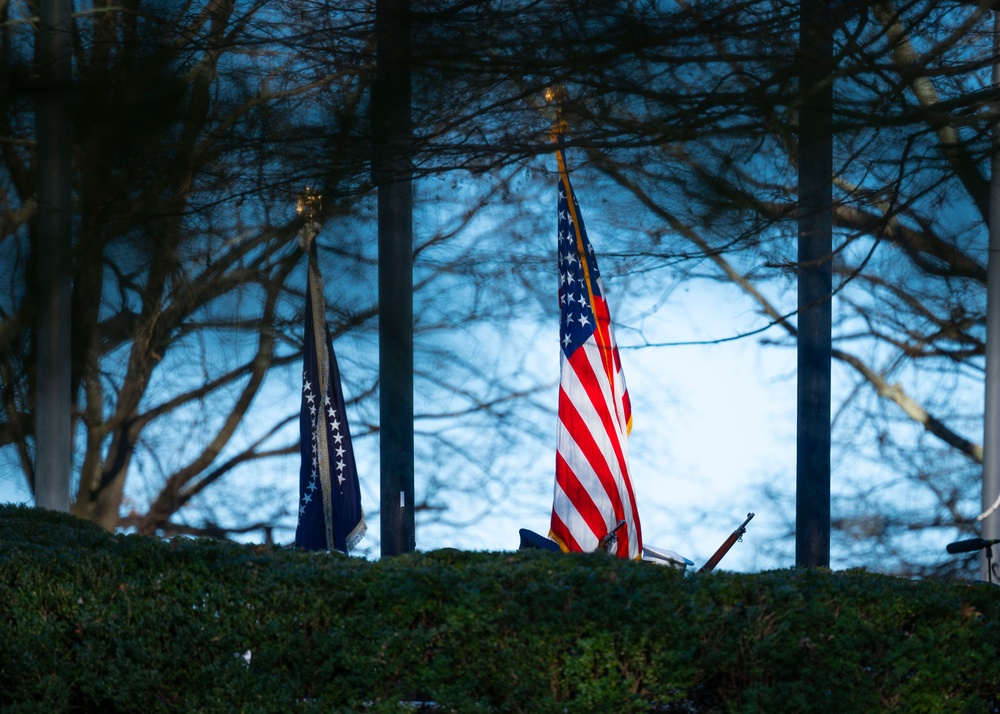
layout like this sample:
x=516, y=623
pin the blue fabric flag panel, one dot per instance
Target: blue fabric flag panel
x=330, y=512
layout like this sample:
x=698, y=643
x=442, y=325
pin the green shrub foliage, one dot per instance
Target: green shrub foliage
x=95, y=622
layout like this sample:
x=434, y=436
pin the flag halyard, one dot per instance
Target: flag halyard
x=593, y=489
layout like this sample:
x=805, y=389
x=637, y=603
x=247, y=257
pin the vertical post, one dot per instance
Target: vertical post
x=53, y=257
x=815, y=248
x=991, y=420
x=391, y=133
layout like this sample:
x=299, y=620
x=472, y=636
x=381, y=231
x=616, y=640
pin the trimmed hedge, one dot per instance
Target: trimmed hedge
x=95, y=622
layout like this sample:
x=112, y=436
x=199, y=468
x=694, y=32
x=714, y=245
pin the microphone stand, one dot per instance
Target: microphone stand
x=989, y=563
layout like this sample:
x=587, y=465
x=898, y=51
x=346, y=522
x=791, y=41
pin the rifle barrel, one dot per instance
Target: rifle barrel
x=724, y=548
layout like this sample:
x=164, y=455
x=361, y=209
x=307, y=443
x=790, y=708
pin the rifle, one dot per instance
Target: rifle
x=724, y=548
x=611, y=538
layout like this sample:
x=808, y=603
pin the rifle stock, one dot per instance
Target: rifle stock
x=724, y=548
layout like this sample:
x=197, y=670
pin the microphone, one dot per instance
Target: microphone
x=967, y=546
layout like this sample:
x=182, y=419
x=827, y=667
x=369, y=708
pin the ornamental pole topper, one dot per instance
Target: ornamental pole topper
x=308, y=206
x=310, y=203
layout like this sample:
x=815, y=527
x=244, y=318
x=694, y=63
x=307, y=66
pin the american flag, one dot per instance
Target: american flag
x=593, y=489
x=330, y=513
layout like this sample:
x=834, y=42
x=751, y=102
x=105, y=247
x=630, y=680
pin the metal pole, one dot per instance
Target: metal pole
x=991, y=419
x=53, y=257
x=815, y=248
x=391, y=128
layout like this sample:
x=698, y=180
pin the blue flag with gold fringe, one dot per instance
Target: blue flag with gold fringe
x=330, y=512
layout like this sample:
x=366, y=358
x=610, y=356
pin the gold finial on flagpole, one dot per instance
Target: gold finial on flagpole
x=555, y=97
x=309, y=204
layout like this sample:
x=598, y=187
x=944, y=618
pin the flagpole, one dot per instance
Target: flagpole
x=335, y=520
x=53, y=258
x=391, y=127
x=593, y=495
x=309, y=205
x=815, y=253
x=991, y=418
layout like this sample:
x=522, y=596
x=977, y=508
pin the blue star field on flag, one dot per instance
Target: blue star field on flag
x=577, y=313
